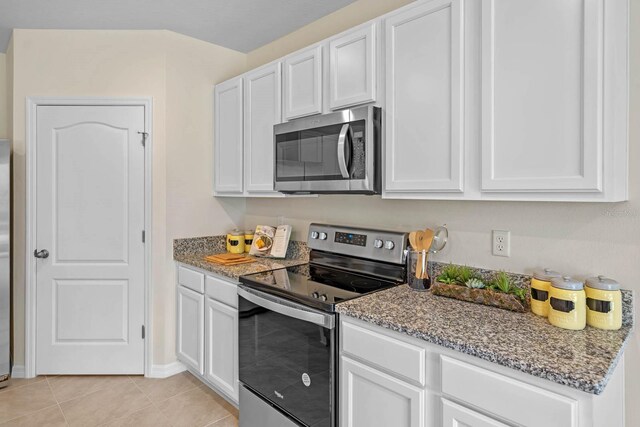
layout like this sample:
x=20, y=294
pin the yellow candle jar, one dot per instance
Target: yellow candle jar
x=604, y=303
x=248, y=240
x=235, y=241
x=540, y=284
x=567, y=303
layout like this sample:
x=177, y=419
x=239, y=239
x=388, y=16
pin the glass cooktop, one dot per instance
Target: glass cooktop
x=315, y=285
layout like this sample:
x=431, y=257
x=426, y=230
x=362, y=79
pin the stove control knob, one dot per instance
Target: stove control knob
x=314, y=234
x=389, y=245
x=323, y=297
x=323, y=236
x=315, y=295
x=377, y=243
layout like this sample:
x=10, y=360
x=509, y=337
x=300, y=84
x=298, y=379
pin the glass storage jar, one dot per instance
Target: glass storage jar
x=567, y=303
x=540, y=284
x=604, y=303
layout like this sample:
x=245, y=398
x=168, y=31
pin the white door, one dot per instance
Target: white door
x=303, y=83
x=424, y=96
x=262, y=110
x=222, y=347
x=454, y=415
x=542, y=89
x=228, y=137
x=90, y=219
x=190, y=328
x=370, y=398
x=352, y=68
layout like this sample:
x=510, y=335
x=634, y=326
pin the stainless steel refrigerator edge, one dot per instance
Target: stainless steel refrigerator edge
x=5, y=292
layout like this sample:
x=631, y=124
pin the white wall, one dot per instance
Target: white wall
x=4, y=97
x=179, y=73
x=579, y=239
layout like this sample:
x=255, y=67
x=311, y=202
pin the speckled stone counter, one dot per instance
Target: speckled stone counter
x=193, y=251
x=523, y=341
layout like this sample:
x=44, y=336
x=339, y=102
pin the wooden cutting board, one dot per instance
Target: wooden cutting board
x=229, y=259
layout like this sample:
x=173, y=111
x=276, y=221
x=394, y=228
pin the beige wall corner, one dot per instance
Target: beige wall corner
x=179, y=73
x=342, y=19
x=4, y=97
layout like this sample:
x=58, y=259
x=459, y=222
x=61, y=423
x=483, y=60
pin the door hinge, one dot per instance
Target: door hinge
x=143, y=332
x=144, y=237
x=144, y=138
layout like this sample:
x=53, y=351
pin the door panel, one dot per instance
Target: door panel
x=88, y=192
x=542, y=87
x=370, y=398
x=303, y=83
x=90, y=217
x=190, y=333
x=228, y=137
x=352, y=68
x=454, y=415
x=222, y=347
x=262, y=111
x=424, y=95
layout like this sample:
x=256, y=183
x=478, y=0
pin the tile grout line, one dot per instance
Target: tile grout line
x=27, y=414
x=46, y=378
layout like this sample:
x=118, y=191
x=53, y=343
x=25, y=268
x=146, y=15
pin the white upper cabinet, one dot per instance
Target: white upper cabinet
x=262, y=110
x=424, y=98
x=303, y=83
x=352, y=68
x=550, y=97
x=228, y=138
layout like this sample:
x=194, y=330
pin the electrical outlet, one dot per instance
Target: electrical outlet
x=501, y=243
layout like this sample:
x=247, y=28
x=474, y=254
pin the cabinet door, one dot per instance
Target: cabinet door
x=262, y=110
x=222, y=347
x=190, y=328
x=454, y=415
x=424, y=96
x=369, y=398
x=228, y=137
x=303, y=83
x=352, y=68
x=542, y=87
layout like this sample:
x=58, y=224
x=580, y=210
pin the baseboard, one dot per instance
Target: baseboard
x=17, y=371
x=164, y=371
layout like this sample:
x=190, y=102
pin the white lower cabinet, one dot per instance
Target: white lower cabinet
x=207, y=330
x=454, y=415
x=221, y=329
x=390, y=379
x=371, y=398
x=190, y=333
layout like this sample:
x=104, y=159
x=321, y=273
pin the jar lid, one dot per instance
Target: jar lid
x=567, y=283
x=248, y=232
x=546, y=274
x=236, y=232
x=602, y=283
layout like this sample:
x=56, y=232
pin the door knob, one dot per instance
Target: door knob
x=41, y=254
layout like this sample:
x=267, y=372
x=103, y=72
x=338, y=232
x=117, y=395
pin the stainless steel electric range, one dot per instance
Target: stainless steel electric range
x=288, y=327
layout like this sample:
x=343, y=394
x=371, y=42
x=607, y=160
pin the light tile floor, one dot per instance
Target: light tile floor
x=180, y=400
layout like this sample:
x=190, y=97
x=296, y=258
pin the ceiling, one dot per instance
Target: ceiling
x=241, y=25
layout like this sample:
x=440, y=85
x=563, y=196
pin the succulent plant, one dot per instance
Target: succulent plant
x=465, y=274
x=501, y=282
x=474, y=283
x=449, y=274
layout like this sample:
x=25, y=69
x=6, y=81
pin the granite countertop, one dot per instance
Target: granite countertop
x=523, y=341
x=192, y=252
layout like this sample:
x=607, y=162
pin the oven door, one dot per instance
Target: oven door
x=287, y=359
x=333, y=153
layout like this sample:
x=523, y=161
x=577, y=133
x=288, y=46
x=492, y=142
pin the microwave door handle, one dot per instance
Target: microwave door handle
x=286, y=308
x=345, y=134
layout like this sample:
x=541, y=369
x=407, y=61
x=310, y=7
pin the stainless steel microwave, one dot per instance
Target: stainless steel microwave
x=332, y=153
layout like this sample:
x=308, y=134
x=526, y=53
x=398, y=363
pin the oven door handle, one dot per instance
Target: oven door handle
x=343, y=140
x=287, y=308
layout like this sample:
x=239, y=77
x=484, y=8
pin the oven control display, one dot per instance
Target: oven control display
x=351, y=239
